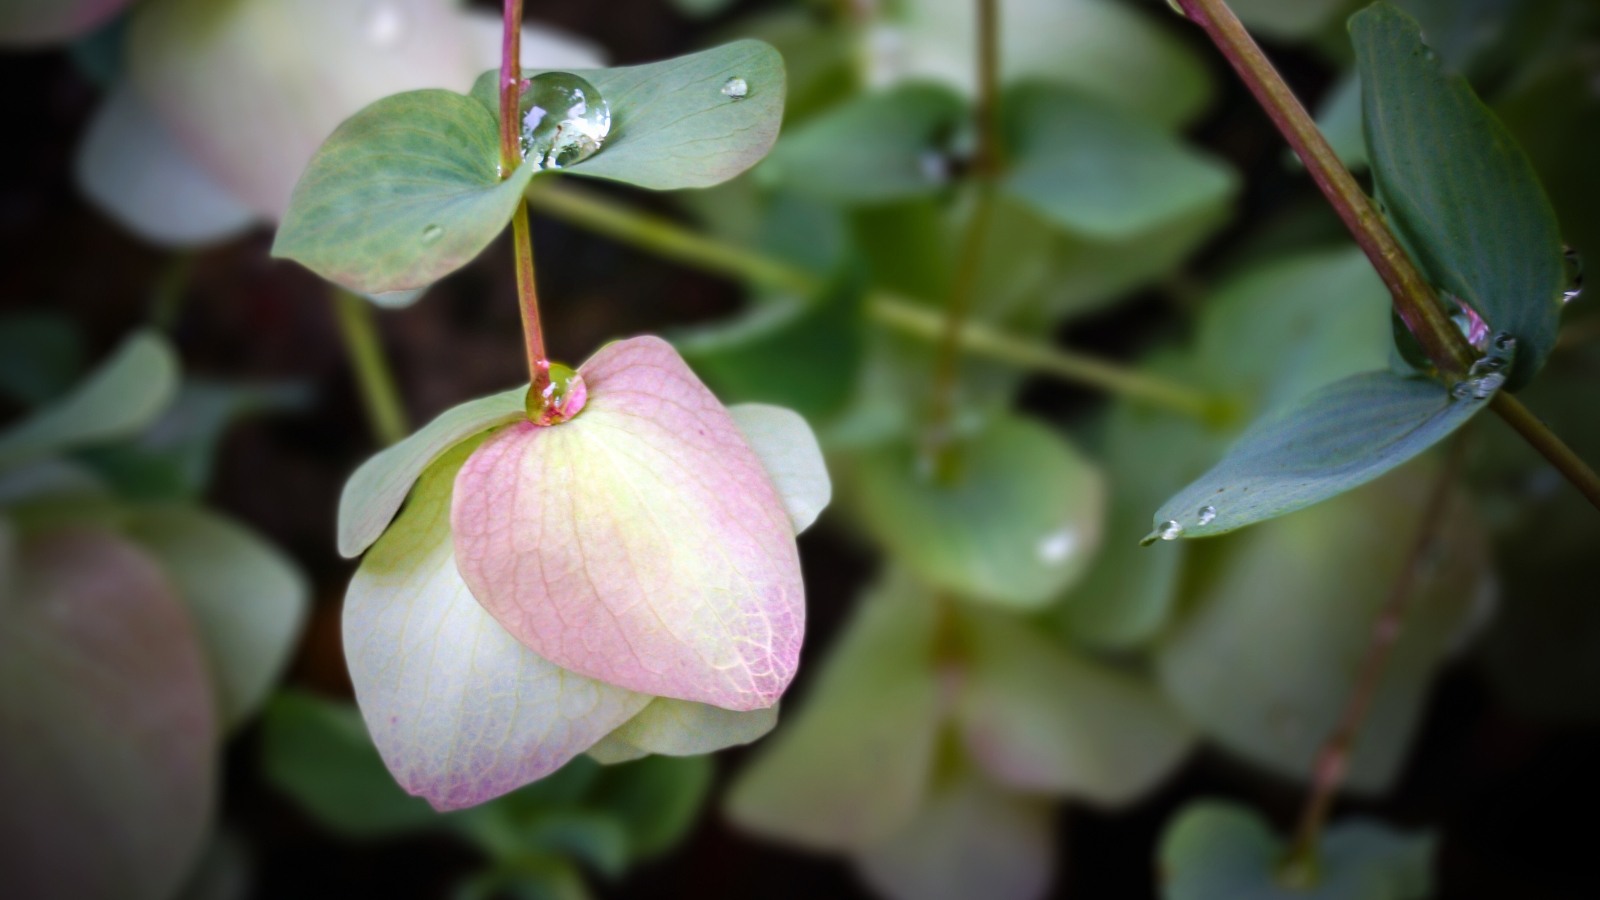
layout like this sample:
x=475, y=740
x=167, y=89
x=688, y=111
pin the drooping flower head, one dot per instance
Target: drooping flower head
x=630, y=570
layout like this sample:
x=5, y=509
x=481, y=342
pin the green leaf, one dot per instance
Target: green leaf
x=1022, y=522
x=1100, y=172
x=970, y=840
x=1336, y=438
x=1458, y=187
x=853, y=766
x=33, y=22
x=876, y=148
x=657, y=799
x=803, y=354
x=374, y=493
x=1038, y=717
x=403, y=193
x=247, y=599
x=1280, y=617
x=1213, y=850
x=41, y=355
x=317, y=751
x=117, y=399
x=671, y=125
x=1286, y=19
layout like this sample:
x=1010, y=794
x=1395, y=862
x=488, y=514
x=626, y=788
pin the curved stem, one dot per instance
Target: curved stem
x=1334, y=757
x=374, y=379
x=672, y=241
x=510, y=159
x=1414, y=299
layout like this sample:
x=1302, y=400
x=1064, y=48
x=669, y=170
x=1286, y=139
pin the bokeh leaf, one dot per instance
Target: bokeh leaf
x=1219, y=851
x=41, y=355
x=1271, y=648
x=1459, y=188
x=853, y=766
x=403, y=193
x=1037, y=717
x=246, y=598
x=136, y=171
x=1021, y=524
x=118, y=399
x=657, y=799
x=1100, y=172
x=1336, y=438
x=110, y=752
x=32, y=22
x=971, y=839
x=671, y=124
x=460, y=711
x=374, y=493
x=317, y=751
x=875, y=148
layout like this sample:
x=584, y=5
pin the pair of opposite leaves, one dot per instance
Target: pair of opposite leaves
x=625, y=582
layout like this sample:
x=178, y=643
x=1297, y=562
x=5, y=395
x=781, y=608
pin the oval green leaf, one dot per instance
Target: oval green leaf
x=1458, y=187
x=403, y=193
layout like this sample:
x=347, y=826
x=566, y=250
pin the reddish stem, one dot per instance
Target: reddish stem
x=510, y=158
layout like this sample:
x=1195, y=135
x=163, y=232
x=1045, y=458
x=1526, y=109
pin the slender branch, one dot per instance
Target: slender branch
x=510, y=159
x=672, y=241
x=1535, y=432
x=1414, y=299
x=374, y=380
x=1334, y=757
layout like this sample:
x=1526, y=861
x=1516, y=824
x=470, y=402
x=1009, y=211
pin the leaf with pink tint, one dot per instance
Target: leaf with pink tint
x=683, y=728
x=460, y=711
x=1037, y=717
x=853, y=767
x=642, y=543
x=107, y=764
x=972, y=839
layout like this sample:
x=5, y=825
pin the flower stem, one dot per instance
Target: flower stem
x=672, y=241
x=1300, y=866
x=510, y=159
x=1414, y=299
x=386, y=415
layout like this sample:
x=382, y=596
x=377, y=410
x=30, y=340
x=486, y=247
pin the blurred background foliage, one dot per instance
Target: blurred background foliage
x=978, y=653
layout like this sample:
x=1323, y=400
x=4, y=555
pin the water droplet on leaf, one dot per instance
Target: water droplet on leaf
x=564, y=120
x=1574, y=264
x=563, y=396
x=1472, y=325
x=1169, y=530
x=432, y=233
x=736, y=88
x=1208, y=514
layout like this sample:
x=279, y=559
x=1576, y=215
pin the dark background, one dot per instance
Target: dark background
x=1513, y=801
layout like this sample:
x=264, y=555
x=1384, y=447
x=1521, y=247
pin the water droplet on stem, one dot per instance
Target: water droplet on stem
x=562, y=396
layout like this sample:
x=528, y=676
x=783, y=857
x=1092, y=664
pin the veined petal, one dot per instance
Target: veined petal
x=460, y=711
x=374, y=493
x=792, y=457
x=641, y=543
x=683, y=728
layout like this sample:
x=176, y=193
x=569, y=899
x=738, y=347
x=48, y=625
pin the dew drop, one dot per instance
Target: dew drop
x=1055, y=547
x=736, y=88
x=1574, y=265
x=1472, y=325
x=386, y=25
x=1208, y=514
x=565, y=120
x=564, y=396
x=432, y=234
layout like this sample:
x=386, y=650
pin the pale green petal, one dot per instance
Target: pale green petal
x=248, y=599
x=789, y=452
x=673, y=727
x=116, y=400
x=374, y=493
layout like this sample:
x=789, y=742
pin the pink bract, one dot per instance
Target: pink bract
x=642, y=543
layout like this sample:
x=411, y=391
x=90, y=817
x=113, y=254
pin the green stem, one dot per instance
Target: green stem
x=172, y=289
x=1301, y=864
x=374, y=380
x=1414, y=299
x=674, y=242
